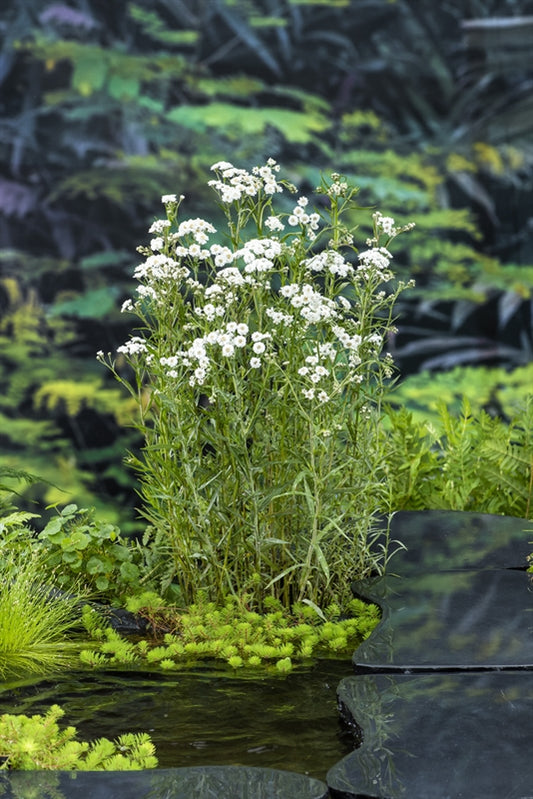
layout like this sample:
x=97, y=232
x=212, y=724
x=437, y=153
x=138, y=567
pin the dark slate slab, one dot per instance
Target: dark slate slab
x=443, y=540
x=439, y=736
x=459, y=620
x=209, y=782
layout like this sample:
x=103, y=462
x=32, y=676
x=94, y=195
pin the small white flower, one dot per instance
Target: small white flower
x=157, y=244
x=258, y=347
x=135, y=346
x=127, y=306
x=274, y=223
x=159, y=226
x=169, y=198
x=255, y=363
x=220, y=165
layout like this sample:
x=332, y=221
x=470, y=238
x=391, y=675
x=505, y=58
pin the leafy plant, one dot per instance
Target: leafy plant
x=262, y=468
x=37, y=742
x=500, y=392
x=463, y=462
x=79, y=547
x=275, y=639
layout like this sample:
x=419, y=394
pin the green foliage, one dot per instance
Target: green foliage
x=48, y=397
x=37, y=742
x=233, y=633
x=79, y=547
x=36, y=623
x=463, y=462
x=427, y=112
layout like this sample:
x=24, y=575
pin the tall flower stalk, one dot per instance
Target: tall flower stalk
x=259, y=373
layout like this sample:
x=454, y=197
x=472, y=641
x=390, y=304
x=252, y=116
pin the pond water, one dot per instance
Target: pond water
x=204, y=716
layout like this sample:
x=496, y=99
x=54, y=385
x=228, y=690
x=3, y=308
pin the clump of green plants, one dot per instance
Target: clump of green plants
x=259, y=374
x=76, y=544
x=37, y=742
x=465, y=461
x=37, y=623
x=274, y=639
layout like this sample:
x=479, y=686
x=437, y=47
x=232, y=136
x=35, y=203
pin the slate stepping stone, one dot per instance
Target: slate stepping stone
x=438, y=736
x=451, y=620
x=206, y=782
x=443, y=540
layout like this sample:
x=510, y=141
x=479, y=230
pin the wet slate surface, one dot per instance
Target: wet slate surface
x=444, y=540
x=206, y=782
x=438, y=736
x=441, y=700
x=459, y=620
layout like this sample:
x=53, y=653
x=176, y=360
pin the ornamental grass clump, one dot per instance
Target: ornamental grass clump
x=259, y=372
x=37, y=623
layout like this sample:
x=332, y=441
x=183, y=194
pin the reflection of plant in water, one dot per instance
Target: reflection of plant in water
x=23, y=785
x=367, y=706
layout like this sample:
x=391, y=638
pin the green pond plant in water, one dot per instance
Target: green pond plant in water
x=271, y=640
x=259, y=375
x=37, y=742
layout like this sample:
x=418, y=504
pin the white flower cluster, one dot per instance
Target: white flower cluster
x=248, y=276
x=234, y=183
x=313, y=306
x=159, y=226
x=197, y=228
x=228, y=339
x=274, y=224
x=329, y=261
x=316, y=370
x=374, y=263
x=135, y=346
x=221, y=255
x=338, y=187
x=160, y=267
x=258, y=255
x=350, y=343
x=170, y=199
x=387, y=226
x=299, y=216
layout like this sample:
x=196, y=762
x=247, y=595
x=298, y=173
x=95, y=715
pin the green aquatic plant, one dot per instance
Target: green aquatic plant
x=36, y=622
x=37, y=742
x=231, y=633
x=259, y=374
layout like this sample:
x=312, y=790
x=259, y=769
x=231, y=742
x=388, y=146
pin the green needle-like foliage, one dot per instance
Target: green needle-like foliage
x=36, y=623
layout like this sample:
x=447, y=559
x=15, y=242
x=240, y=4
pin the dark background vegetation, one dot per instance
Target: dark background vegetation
x=104, y=106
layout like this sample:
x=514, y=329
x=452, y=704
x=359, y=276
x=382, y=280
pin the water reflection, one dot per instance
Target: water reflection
x=206, y=716
x=200, y=783
x=436, y=736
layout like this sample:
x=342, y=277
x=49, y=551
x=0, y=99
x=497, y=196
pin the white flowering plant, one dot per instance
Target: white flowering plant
x=259, y=371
